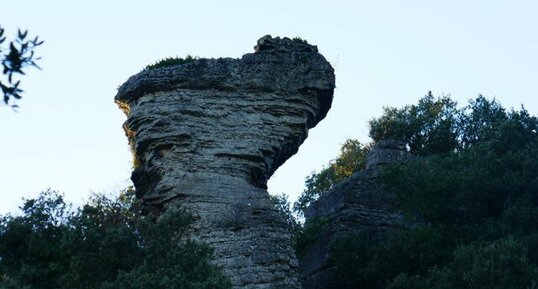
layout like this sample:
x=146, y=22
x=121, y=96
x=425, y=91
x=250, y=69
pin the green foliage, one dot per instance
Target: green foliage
x=308, y=234
x=473, y=197
x=427, y=128
x=165, y=265
x=500, y=264
x=283, y=206
x=354, y=262
x=15, y=59
x=102, y=245
x=369, y=259
x=490, y=175
x=27, y=243
x=352, y=157
x=484, y=195
x=299, y=39
x=169, y=61
x=480, y=120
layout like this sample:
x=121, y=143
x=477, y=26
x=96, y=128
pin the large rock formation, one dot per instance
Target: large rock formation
x=208, y=135
x=358, y=205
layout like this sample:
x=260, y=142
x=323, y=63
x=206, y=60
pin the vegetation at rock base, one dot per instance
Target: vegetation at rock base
x=283, y=206
x=18, y=56
x=307, y=235
x=473, y=196
x=169, y=61
x=352, y=157
x=102, y=245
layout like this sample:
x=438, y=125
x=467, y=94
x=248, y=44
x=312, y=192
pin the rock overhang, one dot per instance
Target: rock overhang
x=208, y=134
x=284, y=82
x=277, y=65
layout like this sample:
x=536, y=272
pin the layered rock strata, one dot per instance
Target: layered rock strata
x=358, y=205
x=208, y=135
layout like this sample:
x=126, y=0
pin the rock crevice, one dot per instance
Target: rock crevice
x=209, y=134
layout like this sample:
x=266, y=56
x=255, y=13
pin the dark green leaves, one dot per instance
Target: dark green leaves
x=472, y=196
x=102, y=245
x=427, y=128
x=169, y=61
x=15, y=59
x=500, y=264
x=352, y=157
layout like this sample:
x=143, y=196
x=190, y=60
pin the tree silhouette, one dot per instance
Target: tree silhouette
x=18, y=56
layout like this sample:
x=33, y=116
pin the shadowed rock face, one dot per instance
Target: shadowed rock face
x=209, y=134
x=358, y=205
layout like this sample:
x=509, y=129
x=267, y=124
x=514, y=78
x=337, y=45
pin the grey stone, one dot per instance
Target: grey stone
x=208, y=135
x=358, y=205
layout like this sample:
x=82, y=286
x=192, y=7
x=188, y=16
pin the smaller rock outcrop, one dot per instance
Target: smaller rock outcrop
x=356, y=206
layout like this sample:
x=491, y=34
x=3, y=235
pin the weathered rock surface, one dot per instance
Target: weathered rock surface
x=208, y=135
x=356, y=206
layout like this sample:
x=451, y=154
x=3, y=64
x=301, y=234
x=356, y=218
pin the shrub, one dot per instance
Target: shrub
x=299, y=40
x=169, y=61
x=102, y=245
x=500, y=264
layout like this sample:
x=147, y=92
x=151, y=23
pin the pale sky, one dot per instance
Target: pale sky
x=67, y=134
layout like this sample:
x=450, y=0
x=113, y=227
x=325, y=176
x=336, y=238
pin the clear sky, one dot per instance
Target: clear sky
x=67, y=134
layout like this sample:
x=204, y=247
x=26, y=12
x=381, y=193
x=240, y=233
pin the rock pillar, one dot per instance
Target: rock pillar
x=208, y=135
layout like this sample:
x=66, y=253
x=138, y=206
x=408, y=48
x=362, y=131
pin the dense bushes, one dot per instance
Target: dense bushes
x=432, y=126
x=473, y=196
x=500, y=264
x=482, y=194
x=101, y=245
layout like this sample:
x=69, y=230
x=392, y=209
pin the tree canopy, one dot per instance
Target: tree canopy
x=352, y=157
x=102, y=245
x=473, y=197
x=429, y=127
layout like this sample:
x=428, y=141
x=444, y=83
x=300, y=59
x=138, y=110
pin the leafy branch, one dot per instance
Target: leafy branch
x=15, y=59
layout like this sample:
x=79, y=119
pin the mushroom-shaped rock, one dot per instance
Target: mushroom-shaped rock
x=208, y=134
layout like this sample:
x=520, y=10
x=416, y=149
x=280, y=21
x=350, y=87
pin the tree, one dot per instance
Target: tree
x=495, y=164
x=426, y=128
x=472, y=200
x=283, y=206
x=479, y=121
x=480, y=193
x=352, y=157
x=18, y=56
x=500, y=264
x=102, y=245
